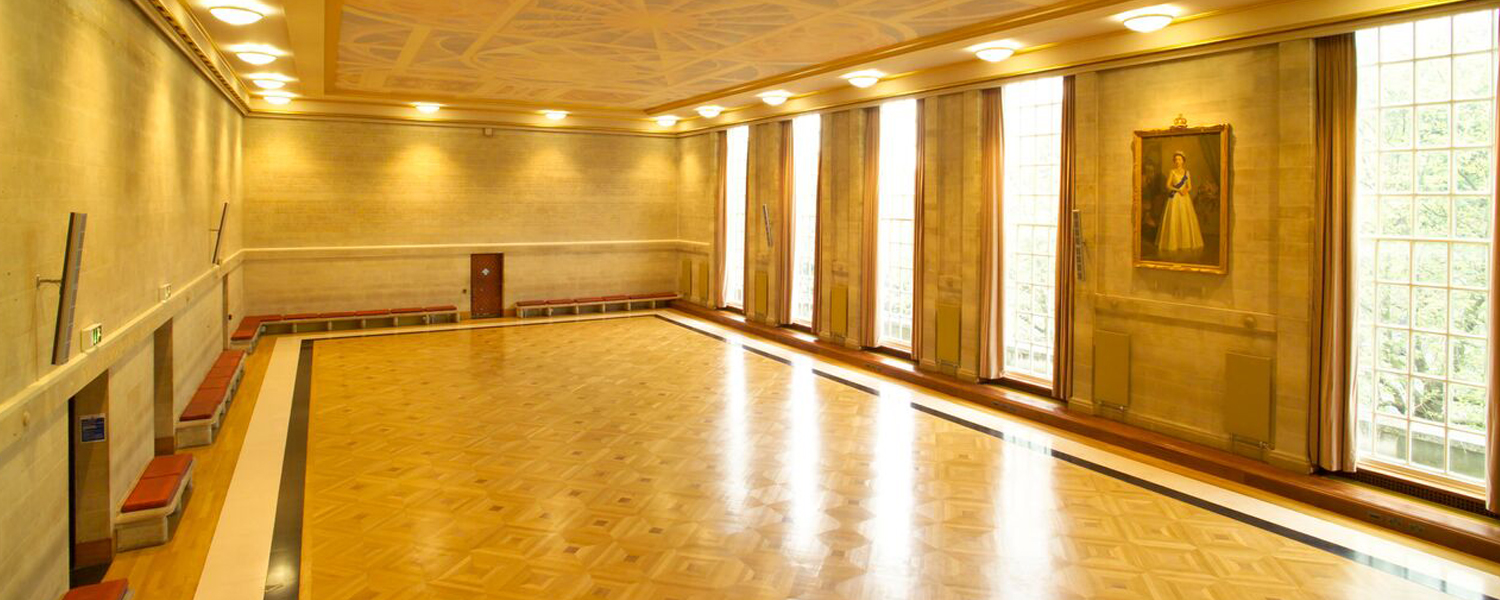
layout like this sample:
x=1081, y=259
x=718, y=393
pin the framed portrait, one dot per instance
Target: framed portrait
x=1182, y=189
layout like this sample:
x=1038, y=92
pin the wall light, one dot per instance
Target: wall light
x=710, y=112
x=556, y=115
x=235, y=15
x=863, y=79
x=667, y=121
x=775, y=98
x=993, y=51
x=427, y=107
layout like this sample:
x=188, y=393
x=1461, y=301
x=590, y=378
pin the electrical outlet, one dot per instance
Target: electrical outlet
x=164, y=292
x=92, y=335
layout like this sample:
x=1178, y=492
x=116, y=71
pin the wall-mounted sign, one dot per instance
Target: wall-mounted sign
x=91, y=428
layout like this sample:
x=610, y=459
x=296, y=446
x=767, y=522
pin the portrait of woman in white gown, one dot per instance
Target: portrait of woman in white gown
x=1182, y=189
x=1179, y=236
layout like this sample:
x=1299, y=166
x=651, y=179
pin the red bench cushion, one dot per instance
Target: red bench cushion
x=402, y=311
x=154, y=492
x=175, y=465
x=531, y=303
x=371, y=313
x=108, y=590
x=589, y=300
x=301, y=316
x=217, y=380
x=267, y=318
x=443, y=308
x=616, y=298
x=229, y=357
x=558, y=301
x=204, y=404
x=652, y=296
x=337, y=315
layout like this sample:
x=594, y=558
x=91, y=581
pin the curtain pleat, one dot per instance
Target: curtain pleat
x=821, y=202
x=747, y=274
x=868, y=242
x=786, y=224
x=1062, y=353
x=992, y=169
x=1331, y=437
x=918, y=346
x=721, y=180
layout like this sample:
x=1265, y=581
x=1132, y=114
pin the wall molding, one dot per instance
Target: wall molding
x=1242, y=321
x=184, y=32
x=436, y=250
x=58, y=385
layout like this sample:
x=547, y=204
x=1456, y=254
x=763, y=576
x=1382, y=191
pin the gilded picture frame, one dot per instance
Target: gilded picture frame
x=1182, y=190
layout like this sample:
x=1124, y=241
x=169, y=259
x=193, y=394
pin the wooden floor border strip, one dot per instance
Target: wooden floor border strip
x=1472, y=535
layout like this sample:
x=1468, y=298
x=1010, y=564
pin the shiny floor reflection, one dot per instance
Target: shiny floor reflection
x=634, y=458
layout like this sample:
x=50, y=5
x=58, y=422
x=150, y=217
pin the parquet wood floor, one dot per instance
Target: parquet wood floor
x=635, y=459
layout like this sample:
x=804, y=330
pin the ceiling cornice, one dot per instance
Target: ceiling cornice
x=183, y=31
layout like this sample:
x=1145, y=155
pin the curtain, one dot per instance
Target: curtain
x=817, y=311
x=747, y=274
x=868, y=243
x=918, y=347
x=785, y=227
x=992, y=288
x=721, y=180
x=1331, y=440
x=1062, y=350
x=1492, y=431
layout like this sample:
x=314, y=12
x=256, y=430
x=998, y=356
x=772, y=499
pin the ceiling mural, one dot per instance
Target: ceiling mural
x=617, y=53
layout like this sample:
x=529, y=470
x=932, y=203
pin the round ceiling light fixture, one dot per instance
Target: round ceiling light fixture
x=269, y=83
x=256, y=54
x=710, y=112
x=1147, y=22
x=235, y=15
x=555, y=115
x=993, y=51
x=277, y=98
x=863, y=79
x=667, y=120
x=775, y=98
x=427, y=107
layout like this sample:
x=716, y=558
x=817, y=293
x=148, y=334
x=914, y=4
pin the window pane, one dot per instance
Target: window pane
x=1033, y=126
x=806, y=146
x=736, y=161
x=897, y=211
x=1421, y=261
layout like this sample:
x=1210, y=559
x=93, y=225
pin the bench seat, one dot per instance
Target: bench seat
x=252, y=327
x=603, y=303
x=200, y=419
x=114, y=589
x=145, y=518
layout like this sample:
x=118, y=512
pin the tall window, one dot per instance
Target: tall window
x=895, y=239
x=736, y=161
x=1033, y=165
x=806, y=142
x=1422, y=268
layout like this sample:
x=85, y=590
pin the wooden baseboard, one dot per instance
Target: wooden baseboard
x=1408, y=516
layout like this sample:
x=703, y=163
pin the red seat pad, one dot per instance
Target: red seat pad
x=531, y=303
x=616, y=298
x=229, y=357
x=558, y=301
x=242, y=334
x=199, y=411
x=217, y=381
x=402, y=311
x=588, y=300
x=108, y=590
x=443, y=308
x=371, y=313
x=301, y=316
x=267, y=318
x=175, y=465
x=154, y=492
x=652, y=296
x=337, y=315
x=219, y=370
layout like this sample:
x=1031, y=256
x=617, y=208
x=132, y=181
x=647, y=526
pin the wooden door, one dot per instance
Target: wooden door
x=486, y=280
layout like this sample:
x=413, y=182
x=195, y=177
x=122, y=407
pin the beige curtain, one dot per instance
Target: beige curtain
x=918, y=348
x=1492, y=445
x=1331, y=438
x=785, y=226
x=818, y=242
x=721, y=144
x=868, y=336
x=747, y=279
x=992, y=180
x=1062, y=355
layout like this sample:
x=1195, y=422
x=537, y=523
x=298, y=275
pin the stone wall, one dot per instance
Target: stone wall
x=102, y=115
x=347, y=216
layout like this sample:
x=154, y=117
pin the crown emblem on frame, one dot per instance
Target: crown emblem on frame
x=1179, y=122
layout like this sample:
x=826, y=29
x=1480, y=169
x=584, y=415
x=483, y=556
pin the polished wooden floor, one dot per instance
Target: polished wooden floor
x=634, y=458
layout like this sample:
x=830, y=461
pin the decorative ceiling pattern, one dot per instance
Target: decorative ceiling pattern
x=617, y=53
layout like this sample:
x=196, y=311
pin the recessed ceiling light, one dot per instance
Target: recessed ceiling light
x=863, y=79
x=993, y=51
x=556, y=115
x=235, y=15
x=776, y=98
x=666, y=120
x=710, y=112
x=427, y=107
x=269, y=84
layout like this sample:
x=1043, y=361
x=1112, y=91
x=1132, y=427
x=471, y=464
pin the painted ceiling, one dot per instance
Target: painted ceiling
x=616, y=53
